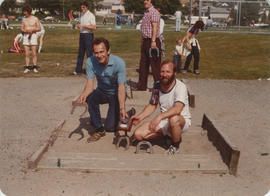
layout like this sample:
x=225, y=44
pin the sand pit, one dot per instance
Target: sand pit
x=32, y=108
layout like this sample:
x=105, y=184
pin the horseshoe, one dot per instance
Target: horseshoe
x=144, y=143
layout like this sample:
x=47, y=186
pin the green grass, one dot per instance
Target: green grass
x=223, y=55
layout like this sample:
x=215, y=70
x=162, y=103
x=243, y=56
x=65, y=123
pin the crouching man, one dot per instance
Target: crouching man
x=172, y=96
x=110, y=72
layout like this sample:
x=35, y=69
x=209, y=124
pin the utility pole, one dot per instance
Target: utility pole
x=190, y=13
x=200, y=10
x=239, y=18
x=64, y=10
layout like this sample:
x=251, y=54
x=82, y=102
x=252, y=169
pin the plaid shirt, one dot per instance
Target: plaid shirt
x=150, y=15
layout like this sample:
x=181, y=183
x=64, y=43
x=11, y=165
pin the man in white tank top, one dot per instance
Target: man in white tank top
x=172, y=96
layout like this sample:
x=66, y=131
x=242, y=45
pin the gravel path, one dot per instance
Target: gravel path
x=31, y=108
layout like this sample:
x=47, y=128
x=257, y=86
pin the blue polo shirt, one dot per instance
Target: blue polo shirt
x=107, y=78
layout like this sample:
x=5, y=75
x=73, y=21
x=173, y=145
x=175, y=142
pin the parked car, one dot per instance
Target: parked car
x=19, y=18
x=51, y=19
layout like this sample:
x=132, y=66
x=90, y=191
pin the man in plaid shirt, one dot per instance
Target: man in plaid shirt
x=151, y=46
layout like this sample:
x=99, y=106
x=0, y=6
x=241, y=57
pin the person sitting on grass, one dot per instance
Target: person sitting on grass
x=110, y=72
x=16, y=44
x=172, y=96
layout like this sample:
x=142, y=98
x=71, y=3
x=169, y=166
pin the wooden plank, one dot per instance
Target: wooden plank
x=36, y=156
x=229, y=152
x=110, y=162
x=191, y=100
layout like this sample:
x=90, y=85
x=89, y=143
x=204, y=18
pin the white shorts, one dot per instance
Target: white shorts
x=164, y=124
x=42, y=32
x=32, y=41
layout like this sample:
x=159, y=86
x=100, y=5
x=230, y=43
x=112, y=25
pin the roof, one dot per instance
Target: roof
x=217, y=10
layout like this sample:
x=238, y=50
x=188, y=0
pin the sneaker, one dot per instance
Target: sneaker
x=35, y=70
x=74, y=73
x=96, y=136
x=172, y=150
x=196, y=71
x=26, y=70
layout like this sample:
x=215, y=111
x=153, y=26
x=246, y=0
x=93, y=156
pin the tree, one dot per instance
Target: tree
x=166, y=6
x=54, y=7
x=134, y=6
x=8, y=6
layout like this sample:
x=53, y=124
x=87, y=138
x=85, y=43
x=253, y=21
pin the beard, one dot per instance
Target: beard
x=167, y=81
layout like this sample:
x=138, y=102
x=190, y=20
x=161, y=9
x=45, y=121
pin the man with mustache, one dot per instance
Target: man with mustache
x=110, y=73
x=172, y=96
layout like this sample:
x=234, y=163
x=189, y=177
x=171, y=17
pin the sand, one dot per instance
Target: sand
x=32, y=107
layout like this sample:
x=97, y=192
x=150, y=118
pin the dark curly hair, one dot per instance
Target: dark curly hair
x=199, y=24
x=27, y=8
x=100, y=40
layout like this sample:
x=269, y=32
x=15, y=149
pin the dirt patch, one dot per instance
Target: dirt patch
x=31, y=108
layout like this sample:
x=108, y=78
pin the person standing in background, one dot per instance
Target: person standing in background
x=30, y=27
x=193, y=46
x=40, y=35
x=151, y=46
x=178, y=15
x=87, y=24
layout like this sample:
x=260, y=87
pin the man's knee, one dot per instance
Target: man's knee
x=138, y=134
x=176, y=121
x=90, y=98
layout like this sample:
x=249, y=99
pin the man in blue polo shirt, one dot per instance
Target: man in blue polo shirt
x=110, y=72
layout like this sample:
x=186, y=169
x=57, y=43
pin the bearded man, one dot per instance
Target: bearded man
x=172, y=96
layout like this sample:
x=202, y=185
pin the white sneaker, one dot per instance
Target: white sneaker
x=172, y=150
x=35, y=70
x=26, y=70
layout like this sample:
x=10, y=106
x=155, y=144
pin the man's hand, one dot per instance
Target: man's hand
x=82, y=98
x=79, y=26
x=153, y=45
x=154, y=123
x=123, y=113
x=135, y=120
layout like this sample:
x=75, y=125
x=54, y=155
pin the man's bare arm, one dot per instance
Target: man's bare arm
x=175, y=110
x=90, y=27
x=147, y=111
x=121, y=99
x=38, y=28
x=154, y=34
x=23, y=26
x=88, y=89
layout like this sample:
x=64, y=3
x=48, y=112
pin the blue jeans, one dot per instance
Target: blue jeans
x=96, y=98
x=196, y=53
x=177, y=24
x=177, y=61
x=85, y=46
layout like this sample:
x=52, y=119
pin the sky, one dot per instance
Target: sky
x=1, y=1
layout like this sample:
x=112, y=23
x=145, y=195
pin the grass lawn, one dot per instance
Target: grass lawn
x=223, y=55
